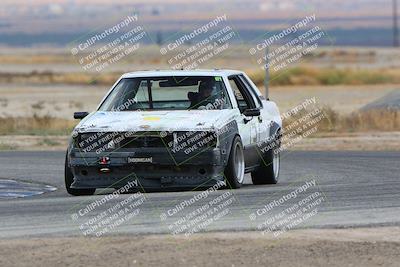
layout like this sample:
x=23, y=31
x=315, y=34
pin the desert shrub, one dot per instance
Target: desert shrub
x=384, y=120
x=36, y=125
x=326, y=76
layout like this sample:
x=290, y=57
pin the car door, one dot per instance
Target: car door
x=247, y=125
x=263, y=124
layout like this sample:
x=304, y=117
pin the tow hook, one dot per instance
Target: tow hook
x=105, y=170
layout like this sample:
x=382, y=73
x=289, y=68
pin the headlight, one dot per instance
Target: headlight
x=194, y=140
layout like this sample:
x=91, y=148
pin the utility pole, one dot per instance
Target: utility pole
x=266, y=80
x=395, y=28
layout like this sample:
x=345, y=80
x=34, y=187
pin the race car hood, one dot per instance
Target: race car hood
x=182, y=120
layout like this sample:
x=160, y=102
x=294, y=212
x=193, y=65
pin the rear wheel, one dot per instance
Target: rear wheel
x=268, y=172
x=234, y=170
x=69, y=179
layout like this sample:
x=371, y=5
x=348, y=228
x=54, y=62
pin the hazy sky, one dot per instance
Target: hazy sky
x=37, y=16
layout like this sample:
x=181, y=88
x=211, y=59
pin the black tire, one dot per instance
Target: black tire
x=234, y=170
x=265, y=173
x=69, y=179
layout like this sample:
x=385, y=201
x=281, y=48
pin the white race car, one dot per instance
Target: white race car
x=175, y=129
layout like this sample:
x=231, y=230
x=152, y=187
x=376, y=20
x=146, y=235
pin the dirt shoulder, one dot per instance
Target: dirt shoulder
x=344, y=247
x=372, y=141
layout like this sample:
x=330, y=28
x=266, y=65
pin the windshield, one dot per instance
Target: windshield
x=167, y=93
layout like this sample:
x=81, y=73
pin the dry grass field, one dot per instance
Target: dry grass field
x=39, y=91
x=26, y=109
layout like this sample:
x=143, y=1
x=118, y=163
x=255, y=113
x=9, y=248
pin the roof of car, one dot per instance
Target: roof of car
x=197, y=72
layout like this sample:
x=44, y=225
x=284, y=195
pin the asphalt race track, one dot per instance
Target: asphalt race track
x=356, y=189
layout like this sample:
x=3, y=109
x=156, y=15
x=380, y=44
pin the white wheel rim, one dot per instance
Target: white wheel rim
x=275, y=163
x=239, y=163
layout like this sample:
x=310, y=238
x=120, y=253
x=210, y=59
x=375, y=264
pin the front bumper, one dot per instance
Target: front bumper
x=167, y=170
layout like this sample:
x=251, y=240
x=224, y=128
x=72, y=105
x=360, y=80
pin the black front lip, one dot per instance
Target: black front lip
x=166, y=170
x=160, y=156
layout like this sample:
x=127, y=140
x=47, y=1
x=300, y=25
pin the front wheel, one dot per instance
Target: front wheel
x=268, y=172
x=69, y=179
x=234, y=170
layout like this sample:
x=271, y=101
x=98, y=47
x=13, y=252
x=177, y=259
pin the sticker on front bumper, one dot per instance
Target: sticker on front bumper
x=140, y=160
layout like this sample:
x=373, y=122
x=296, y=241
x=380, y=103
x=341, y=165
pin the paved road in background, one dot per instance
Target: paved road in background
x=351, y=189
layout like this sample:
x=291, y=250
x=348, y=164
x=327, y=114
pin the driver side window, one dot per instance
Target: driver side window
x=242, y=98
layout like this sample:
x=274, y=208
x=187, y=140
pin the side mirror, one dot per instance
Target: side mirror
x=80, y=115
x=251, y=112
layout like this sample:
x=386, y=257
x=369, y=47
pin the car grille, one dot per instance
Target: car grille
x=147, y=140
x=108, y=141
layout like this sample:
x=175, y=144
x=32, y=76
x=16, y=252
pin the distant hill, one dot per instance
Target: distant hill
x=337, y=37
x=39, y=22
